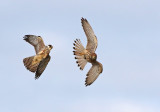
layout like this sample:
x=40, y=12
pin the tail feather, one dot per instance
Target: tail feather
x=81, y=63
x=78, y=46
x=28, y=64
x=79, y=53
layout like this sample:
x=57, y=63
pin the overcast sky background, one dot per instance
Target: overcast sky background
x=128, y=33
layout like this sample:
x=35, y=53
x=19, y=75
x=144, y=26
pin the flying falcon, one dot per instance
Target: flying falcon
x=37, y=63
x=84, y=55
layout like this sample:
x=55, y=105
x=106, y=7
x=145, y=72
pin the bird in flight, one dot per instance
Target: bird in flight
x=38, y=62
x=84, y=55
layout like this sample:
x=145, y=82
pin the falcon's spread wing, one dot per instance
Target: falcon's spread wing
x=41, y=67
x=93, y=73
x=91, y=38
x=36, y=41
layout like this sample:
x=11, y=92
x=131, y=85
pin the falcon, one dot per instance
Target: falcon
x=38, y=62
x=84, y=55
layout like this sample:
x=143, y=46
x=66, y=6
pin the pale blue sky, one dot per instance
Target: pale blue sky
x=128, y=33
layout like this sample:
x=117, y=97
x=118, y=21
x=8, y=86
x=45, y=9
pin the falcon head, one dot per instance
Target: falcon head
x=50, y=47
x=93, y=56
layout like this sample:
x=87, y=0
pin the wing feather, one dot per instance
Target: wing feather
x=36, y=41
x=93, y=73
x=91, y=37
x=41, y=67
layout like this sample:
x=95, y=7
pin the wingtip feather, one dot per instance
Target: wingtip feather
x=83, y=19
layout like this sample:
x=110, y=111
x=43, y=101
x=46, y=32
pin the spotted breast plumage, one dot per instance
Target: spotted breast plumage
x=84, y=55
x=38, y=62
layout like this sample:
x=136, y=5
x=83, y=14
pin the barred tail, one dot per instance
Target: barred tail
x=28, y=64
x=79, y=53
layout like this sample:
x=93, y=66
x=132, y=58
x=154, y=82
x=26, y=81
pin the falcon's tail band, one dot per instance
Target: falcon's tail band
x=28, y=64
x=79, y=53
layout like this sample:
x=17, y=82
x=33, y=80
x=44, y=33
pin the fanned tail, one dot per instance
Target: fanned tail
x=79, y=53
x=28, y=64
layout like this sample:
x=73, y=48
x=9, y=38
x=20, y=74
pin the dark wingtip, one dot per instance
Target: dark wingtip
x=83, y=19
x=73, y=47
x=87, y=84
x=26, y=37
x=36, y=77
